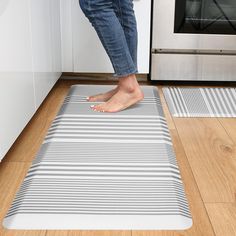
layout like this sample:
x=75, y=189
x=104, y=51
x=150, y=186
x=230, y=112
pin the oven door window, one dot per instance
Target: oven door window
x=205, y=16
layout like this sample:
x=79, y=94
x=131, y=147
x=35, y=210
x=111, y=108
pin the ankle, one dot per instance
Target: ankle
x=128, y=84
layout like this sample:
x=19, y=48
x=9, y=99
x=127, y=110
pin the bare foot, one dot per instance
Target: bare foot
x=102, y=97
x=129, y=93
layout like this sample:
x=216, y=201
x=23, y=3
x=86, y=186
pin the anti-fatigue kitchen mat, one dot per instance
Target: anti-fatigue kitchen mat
x=201, y=102
x=103, y=170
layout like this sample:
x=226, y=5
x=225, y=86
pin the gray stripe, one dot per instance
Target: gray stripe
x=221, y=101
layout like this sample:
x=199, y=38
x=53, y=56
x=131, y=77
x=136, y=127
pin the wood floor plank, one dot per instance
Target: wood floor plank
x=201, y=223
x=230, y=126
x=207, y=146
x=24, y=233
x=159, y=233
x=107, y=233
x=63, y=232
x=223, y=218
x=88, y=233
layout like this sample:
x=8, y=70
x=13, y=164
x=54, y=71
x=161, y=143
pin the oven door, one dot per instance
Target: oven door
x=199, y=25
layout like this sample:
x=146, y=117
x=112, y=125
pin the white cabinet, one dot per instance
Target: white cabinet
x=45, y=27
x=82, y=50
x=16, y=84
x=30, y=62
x=66, y=36
x=56, y=39
x=17, y=106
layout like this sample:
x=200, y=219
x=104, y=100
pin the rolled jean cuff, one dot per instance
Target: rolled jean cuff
x=125, y=73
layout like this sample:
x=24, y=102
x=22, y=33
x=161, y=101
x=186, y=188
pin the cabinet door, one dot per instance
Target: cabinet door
x=88, y=52
x=45, y=45
x=16, y=78
x=56, y=38
x=66, y=36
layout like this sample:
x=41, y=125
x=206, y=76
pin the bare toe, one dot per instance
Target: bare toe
x=120, y=101
x=100, y=107
x=102, y=97
x=95, y=97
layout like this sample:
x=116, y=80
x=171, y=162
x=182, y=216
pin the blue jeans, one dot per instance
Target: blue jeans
x=116, y=27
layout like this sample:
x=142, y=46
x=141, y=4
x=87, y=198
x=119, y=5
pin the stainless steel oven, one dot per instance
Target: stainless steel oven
x=194, y=40
x=205, y=17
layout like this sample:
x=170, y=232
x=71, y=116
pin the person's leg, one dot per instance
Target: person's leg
x=102, y=16
x=129, y=91
x=124, y=10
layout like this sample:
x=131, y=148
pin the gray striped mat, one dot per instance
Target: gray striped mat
x=103, y=170
x=201, y=102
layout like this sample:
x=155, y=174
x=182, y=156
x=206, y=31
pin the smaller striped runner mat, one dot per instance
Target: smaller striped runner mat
x=103, y=171
x=201, y=102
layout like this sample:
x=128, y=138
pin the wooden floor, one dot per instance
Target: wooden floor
x=205, y=150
